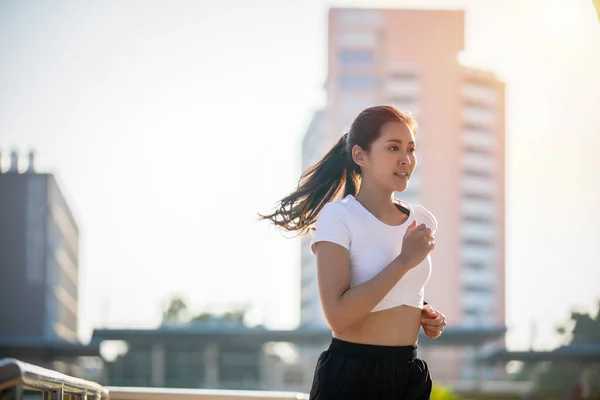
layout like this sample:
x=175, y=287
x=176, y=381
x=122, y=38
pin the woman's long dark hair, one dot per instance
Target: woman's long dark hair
x=334, y=174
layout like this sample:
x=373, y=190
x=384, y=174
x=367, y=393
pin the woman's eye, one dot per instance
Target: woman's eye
x=412, y=150
x=394, y=148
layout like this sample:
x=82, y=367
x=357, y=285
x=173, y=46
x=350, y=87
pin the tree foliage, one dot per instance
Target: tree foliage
x=177, y=313
x=581, y=328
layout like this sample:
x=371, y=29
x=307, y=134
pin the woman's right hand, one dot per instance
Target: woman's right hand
x=417, y=243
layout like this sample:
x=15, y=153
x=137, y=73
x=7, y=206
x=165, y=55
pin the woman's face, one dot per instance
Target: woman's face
x=391, y=159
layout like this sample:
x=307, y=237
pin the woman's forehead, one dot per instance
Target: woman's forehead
x=397, y=130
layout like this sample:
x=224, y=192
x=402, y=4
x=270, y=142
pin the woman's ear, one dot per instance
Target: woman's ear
x=359, y=155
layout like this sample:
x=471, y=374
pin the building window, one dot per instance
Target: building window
x=478, y=219
x=358, y=82
x=361, y=17
x=479, y=196
x=403, y=75
x=478, y=94
x=478, y=117
x=352, y=105
x=477, y=173
x=355, y=39
x=471, y=312
x=477, y=289
x=477, y=150
x=471, y=242
x=360, y=58
x=408, y=89
x=475, y=266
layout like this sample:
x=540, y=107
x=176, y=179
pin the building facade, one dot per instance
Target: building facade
x=38, y=259
x=410, y=59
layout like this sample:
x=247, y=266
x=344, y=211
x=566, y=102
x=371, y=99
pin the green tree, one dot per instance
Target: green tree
x=581, y=328
x=176, y=312
x=231, y=317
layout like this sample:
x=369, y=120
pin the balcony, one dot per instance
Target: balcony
x=479, y=138
x=476, y=231
x=479, y=186
x=478, y=118
x=478, y=162
x=402, y=88
x=484, y=277
x=478, y=255
x=481, y=300
x=479, y=94
x=478, y=208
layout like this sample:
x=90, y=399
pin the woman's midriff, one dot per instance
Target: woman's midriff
x=397, y=326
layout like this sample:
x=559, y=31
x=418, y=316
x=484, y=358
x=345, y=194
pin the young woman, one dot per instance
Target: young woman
x=372, y=260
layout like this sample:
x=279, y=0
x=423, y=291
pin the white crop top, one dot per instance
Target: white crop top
x=373, y=245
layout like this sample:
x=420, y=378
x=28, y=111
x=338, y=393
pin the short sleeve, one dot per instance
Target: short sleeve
x=425, y=216
x=332, y=227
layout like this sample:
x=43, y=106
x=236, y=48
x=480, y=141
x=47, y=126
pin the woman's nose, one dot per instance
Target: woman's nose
x=404, y=160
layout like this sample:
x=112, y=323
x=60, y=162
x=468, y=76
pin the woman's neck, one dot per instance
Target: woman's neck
x=378, y=202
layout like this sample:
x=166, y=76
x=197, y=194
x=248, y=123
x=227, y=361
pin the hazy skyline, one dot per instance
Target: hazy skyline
x=169, y=127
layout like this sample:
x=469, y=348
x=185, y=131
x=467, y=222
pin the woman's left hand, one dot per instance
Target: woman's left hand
x=433, y=322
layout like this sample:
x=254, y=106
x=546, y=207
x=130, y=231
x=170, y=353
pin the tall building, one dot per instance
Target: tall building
x=314, y=145
x=38, y=262
x=410, y=58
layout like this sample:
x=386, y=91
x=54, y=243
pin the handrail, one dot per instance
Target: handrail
x=20, y=375
x=134, y=393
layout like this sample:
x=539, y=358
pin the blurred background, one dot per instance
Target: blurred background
x=139, y=140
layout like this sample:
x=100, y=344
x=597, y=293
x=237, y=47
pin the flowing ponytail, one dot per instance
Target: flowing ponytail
x=336, y=175
x=321, y=183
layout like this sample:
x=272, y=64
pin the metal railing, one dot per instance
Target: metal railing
x=16, y=378
x=122, y=393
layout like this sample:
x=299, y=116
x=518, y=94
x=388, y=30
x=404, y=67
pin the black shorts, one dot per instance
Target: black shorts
x=369, y=372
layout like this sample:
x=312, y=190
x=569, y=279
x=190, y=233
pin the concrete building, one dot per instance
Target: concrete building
x=410, y=58
x=39, y=268
x=225, y=356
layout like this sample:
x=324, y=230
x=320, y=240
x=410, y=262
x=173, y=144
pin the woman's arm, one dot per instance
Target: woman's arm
x=342, y=305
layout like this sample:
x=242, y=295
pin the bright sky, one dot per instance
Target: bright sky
x=170, y=126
